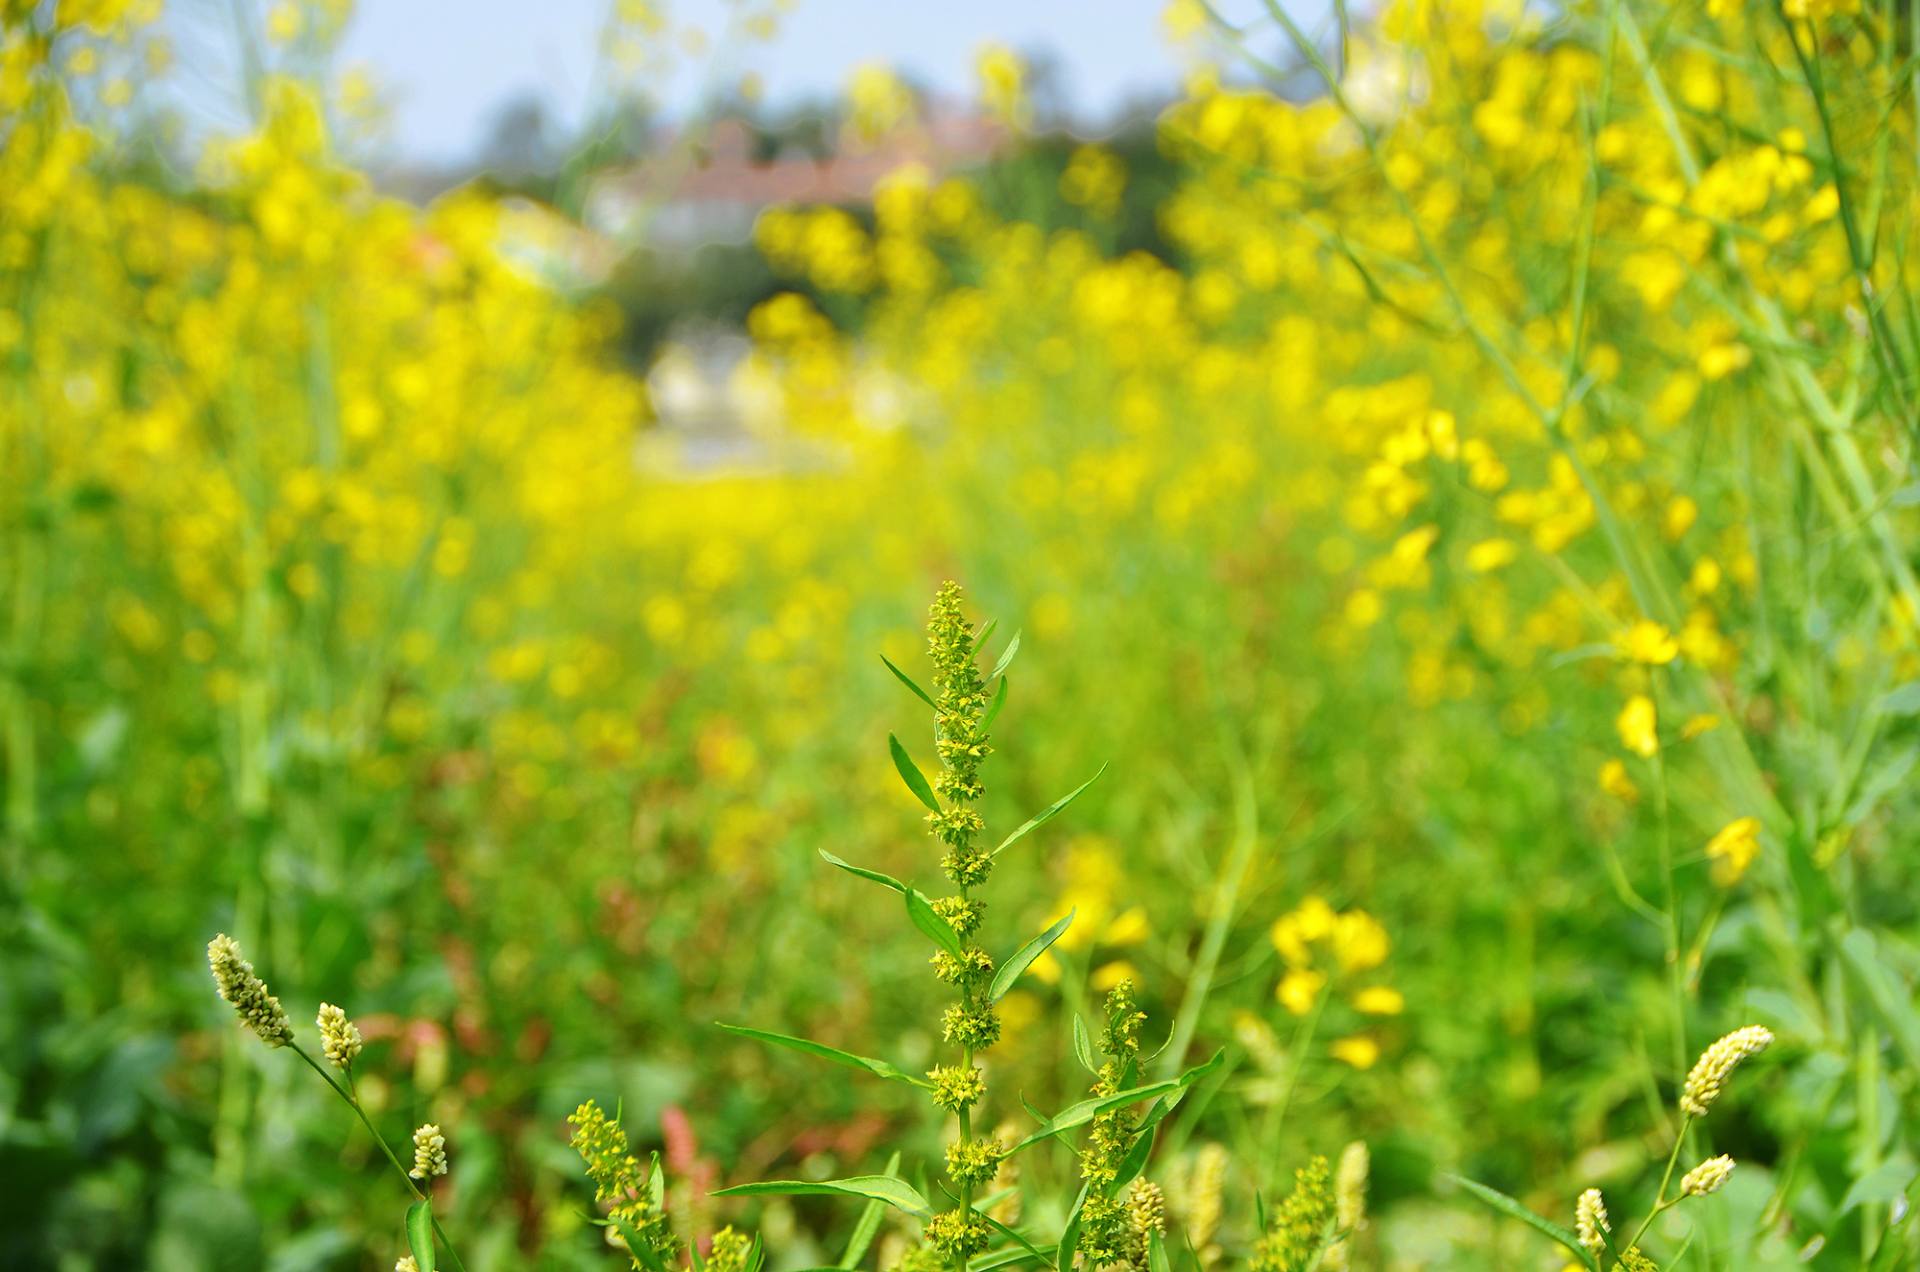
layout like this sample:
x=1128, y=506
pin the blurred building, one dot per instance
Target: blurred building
x=709, y=187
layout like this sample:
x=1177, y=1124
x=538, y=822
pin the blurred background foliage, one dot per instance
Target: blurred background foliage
x=1463, y=500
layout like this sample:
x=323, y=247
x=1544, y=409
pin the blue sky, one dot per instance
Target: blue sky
x=448, y=65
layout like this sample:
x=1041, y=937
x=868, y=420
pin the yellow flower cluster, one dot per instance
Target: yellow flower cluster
x=1330, y=951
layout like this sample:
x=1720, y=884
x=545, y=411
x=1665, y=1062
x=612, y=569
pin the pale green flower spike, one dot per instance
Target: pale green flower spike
x=339, y=1037
x=259, y=1010
x=1716, y=1062
x=1707, y=1177
x=429, y=1152
x=1590, y=1222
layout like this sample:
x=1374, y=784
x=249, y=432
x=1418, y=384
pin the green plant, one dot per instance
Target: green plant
x=1104, y=1223
x=1591, y=1238
x=340, y=1042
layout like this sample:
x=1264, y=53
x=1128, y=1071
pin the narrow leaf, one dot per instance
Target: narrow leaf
x=1025, y=1244
x=1070, y=1235
x=1006, y=657
x=1886, y=1182
x=420, y=1234
x=863, y=1231
x=986, y=634
x=1903, y=700
x=1075, y=1114
x=1512, y=1209
x=896, y=1193
x=884, y=880
x=879, y=1068
x=1083, y=1045
x=1891, y=1000
x=1011, y=970
x=907, y=680
x=1079, y=1114
x=1157, y=1254
x=910, y=774
x=1047, y=814
x=938, y=930
x=993, y=711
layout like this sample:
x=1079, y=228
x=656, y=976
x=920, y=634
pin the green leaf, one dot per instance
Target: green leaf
x=1047, y=814
x=1070, y=1235
x=1512, y=1209
x=1157, y=1254
x=910, y=774
x=1011, y=970
x=420, y=1234
x=1886, y=1182
x=1890, y=999
x=884, y=880
x=1032, y=1250
x=1085, y=1111
x=894, y=1192
x=1902, y=700
x=993, y=712
x=656, y=1182
x=1083, y=1045
x=907, y=680
x=869, y=1225
x=938, y=930
x=1006, y=657
x=986, y=634
x=879, y=1068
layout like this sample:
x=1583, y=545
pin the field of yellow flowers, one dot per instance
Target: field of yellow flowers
x=1481, y=550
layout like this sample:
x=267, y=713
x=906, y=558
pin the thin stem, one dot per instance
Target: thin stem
x=1660, y=1203
x=351, y=1096
x=1226, y=901
x=1296, y=1061
x=1671, y=914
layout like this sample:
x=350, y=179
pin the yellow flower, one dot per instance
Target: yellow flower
x=1108, y=975
x=1299, y=989
x=1313, y=920
x=1359, y=942
x=1491, y=554
x=1380, y=1000
x=1129, y=928
x=1648, y=642
x=1357, y=1050
x=1615, y=782
x=1638, y=724
x=1733, y=849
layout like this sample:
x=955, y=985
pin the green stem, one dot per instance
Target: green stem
x=1660, y=1203
x=351, y=1095
x=1296, y=1061
x=1226, y=901
x=1670, y=913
